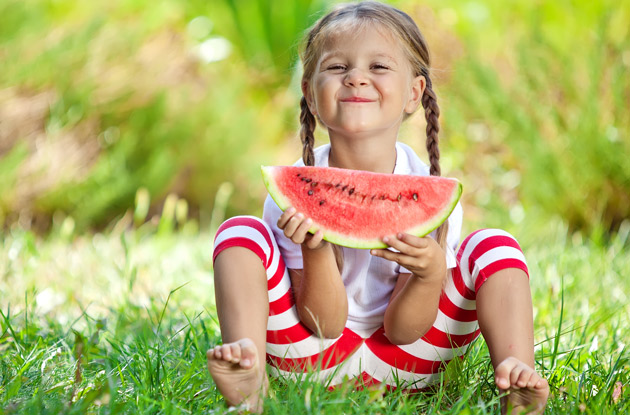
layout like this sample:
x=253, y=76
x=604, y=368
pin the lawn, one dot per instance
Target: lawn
x=119, y=322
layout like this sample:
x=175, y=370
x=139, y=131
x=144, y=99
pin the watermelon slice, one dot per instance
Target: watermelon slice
x=358, y=208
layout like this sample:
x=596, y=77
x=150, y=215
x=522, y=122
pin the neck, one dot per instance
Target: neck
x=370, y=154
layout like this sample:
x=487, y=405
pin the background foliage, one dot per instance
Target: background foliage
x=98, y=100
x=130, y=128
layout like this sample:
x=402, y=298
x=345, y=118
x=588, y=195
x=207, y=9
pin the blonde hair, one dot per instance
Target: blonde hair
x=356, y=16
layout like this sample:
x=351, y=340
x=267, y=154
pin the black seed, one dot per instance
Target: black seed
x=382, y=197
x=308, y=180
x=314, y=184
x=298, y=175
x=351, y=190
x=344, y=188
x=310, y=192
x=415, y=196
x=321, y=202
x=302, y=178
x=338, y=185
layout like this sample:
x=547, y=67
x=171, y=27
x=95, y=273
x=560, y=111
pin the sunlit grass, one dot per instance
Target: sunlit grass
x=119, y=323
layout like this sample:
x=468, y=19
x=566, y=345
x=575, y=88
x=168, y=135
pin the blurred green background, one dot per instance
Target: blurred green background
x=132, y=110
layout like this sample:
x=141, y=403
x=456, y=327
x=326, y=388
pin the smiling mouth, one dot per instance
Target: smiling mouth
x=356, y=99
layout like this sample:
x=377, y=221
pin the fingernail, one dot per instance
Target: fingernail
x=399, y=236
x=245, y=362
x=291, y=210
x=385, y=239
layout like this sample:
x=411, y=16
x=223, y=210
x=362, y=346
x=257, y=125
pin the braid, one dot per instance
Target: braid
x=308, y=123
x=432, y=113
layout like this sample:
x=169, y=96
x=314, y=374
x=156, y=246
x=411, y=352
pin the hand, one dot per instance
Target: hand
x=422, y=256
x=295, y=226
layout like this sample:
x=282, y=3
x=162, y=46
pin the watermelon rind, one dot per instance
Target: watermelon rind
x=268, y=173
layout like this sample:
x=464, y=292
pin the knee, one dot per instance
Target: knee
x=248, y=232
x=486, y=252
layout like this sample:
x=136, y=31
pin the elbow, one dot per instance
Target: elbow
x=325, y=328
x=404, y=335
x=332, y=333
x=400, y=339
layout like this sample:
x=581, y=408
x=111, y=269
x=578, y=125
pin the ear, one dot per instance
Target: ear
x=308, y=94
x=418, y=84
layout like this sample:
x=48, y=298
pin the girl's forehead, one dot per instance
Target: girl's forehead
x=338, y=36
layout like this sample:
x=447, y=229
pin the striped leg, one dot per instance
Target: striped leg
x=416, y=365
x=292, y=349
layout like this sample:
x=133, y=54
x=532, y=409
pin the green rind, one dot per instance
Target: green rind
x=335, y=238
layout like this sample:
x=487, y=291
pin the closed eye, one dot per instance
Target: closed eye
x=380, y=67
x=336, y=67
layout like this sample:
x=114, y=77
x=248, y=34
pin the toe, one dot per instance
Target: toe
x=249, y=353
x=524, y=377
x=235, y=352
x=502, y=373
x=225, y=353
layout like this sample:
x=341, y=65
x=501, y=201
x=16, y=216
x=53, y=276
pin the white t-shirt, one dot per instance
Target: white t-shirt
x=369, y=280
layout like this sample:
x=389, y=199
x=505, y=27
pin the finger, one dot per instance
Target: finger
x=285, y=217
x=292, y=225
x=315, y=240
x=386, y=254
x=302, y=229
x=414, y=241
x=298, y=228
x=397, y=244
x=407, y=244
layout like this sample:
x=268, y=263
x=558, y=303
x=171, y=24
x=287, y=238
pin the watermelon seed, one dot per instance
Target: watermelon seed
x=310, y=192
x=382, y=197
x=399, y=196
x=298, y=175
x=321, y=202
x=308, y=180
x=338, y=185
x=314, y=184
x=415, y=197
x=351, y=190
x=344, y=188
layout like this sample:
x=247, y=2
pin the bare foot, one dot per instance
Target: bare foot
x=527, y=392
x=236, y=371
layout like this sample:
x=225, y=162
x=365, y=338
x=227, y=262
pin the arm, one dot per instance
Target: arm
x=320, y=295
x=414, y=302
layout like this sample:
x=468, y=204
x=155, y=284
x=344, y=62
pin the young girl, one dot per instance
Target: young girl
x=385, y=315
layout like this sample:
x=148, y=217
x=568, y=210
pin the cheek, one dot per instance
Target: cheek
x=324, y=92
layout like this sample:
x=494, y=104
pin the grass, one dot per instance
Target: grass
x=119, y=322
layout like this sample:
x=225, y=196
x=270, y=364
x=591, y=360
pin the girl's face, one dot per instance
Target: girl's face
x=363, y=84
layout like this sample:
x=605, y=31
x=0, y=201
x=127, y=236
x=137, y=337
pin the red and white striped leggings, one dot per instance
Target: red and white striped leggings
x=367, y=356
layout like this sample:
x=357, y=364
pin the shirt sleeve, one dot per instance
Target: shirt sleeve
x=291, y=252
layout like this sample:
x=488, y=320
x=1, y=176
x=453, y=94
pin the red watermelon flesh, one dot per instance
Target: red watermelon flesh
x=357, y=208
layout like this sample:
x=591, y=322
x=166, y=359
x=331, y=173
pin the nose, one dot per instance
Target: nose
x=356, y=78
